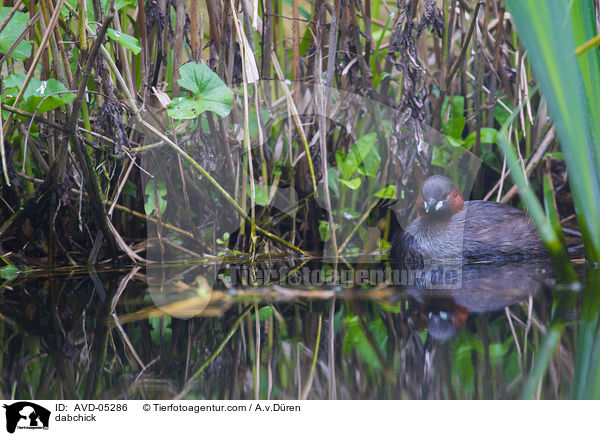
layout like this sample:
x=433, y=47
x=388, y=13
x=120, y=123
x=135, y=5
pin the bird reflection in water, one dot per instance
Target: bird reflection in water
x=483, y=287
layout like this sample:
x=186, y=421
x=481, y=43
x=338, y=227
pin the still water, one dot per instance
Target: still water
x=276, y=330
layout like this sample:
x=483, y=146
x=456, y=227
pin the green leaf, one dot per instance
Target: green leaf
x=210, y=92
x=501, y=114
x=359, y=151
x=387, y=193
x=9, y=272
x=305, y=14
x=253, y=121
x=352, y=184
x=371, y=164
x=355, y=338
x=488, y=136
x=120, y=4
x=40, y=96
x=489, y=157
x=184, y=108
x=11, y=33
x=456, y=120
x=332, y=178
x=149, y=204
x=127, y=41
x=463, y=370
x=324, y=230
x=264, y=313
x=261, y=196
x=455, y=142
x=441, y=156
x=350, y=214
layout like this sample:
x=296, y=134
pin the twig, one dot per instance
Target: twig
x=236, y=325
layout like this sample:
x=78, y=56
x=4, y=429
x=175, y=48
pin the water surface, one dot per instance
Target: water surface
x=270, y=330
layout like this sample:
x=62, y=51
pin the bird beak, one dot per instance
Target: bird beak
x=429, y=204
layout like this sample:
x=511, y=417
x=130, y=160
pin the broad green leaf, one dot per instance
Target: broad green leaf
x=441, y=157
x=324, y=230
x=127, y=41
x=352, y=184
x=456, y=120
x=261, y=196
x=463, y=371
x=350, y=214
x=359, y=151
x=387, y=193
x=120, y=4
x=455, y=142
x=346, y=170
x=488, y=136
x=489, y=157
x=149, y=204
x=40, y=96
x=184, y=108
x=210, y=93
x=356, y=339
x=264, y=313
x=332, y=178
x=11, y=33
x=371, y=164
x=500, y=113
x=9, y=272
x=49, y=95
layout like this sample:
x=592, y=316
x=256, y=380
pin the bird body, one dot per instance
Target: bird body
x=449, y=228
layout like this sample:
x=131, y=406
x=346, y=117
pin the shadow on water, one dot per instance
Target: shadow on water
x=275, y=331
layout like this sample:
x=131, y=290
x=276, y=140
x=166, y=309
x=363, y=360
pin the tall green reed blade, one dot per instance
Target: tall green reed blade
x=547, y=32
x=586, y=377
x=547, y=232
x=583, y=19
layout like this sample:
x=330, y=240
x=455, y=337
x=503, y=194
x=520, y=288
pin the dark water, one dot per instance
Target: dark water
x=275, y=331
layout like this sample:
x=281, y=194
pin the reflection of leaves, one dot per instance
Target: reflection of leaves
x=9, y=272
x=263, y=313
x=462, y=363
x=463, y=370
x=356, y=339
x=11, y=33
x=210, y=93
x=161, y=329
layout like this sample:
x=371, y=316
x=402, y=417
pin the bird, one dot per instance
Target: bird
x=447, y=227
